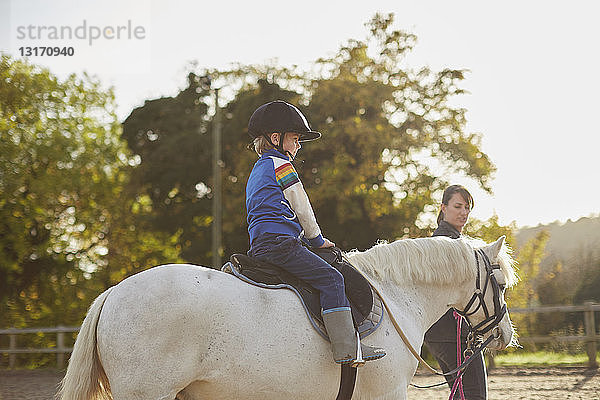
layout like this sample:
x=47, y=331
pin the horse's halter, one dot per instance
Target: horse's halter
x=498, y=284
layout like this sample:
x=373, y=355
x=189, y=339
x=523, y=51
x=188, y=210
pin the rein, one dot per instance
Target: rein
x=458, y=382
x=461, y=368
x=498, y=284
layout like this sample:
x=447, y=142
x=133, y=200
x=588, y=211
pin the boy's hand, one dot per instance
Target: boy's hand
x=327, y=243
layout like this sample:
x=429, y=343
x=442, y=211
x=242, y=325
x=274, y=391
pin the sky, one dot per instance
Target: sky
x=532, y=80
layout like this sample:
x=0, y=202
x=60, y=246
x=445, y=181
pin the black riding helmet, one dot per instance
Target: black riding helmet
x=280, y=116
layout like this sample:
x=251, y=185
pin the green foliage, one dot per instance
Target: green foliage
x=170, y=137
x=587, y=257
x=529, y=257
x=60, y=160
x=132, y=243
x=589, y=287
x=552, y=287
x=491, y=230
x=524, y=294
x=568, y=272
x=65, y=215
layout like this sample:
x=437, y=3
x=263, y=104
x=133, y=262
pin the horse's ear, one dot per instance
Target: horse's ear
x=497, y=245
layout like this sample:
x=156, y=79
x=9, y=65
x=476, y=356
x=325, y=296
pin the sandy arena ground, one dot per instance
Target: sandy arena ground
x=513, y=384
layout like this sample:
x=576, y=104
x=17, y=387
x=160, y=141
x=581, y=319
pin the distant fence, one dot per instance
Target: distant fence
x=590, y=338
x=60, y=348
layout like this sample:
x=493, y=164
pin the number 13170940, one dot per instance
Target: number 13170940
x=46, y=51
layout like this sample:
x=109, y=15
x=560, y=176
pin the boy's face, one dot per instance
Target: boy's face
x=291, y=142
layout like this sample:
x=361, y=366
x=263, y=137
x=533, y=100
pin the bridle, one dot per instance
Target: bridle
x=494, y=278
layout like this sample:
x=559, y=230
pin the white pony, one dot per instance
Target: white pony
x=189, y=332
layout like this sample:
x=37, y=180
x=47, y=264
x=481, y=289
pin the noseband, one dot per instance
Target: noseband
x=494, y=278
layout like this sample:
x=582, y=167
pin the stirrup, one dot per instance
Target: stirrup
x=360, y=361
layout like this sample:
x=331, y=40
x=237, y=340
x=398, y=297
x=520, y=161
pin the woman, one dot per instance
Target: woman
x=440, y=339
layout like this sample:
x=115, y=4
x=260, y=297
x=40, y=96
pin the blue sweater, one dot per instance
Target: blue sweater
x=277, y=203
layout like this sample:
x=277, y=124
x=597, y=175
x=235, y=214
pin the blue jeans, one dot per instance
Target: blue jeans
x=289, y=253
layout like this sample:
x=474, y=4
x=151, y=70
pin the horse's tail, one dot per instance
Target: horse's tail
x=85, y=378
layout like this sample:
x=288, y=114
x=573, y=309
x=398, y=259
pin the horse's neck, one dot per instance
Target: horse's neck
x=420, y=305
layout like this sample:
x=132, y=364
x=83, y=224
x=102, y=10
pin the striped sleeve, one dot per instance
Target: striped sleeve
x=286, y=175
x=294, y=193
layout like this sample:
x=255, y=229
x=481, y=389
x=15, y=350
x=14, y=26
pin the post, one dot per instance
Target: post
x=60, y=348
x=12, y=357
x=590, y=333
x=217, y=165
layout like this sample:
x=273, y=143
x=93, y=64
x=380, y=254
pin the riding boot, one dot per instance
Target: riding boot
x=345, y=341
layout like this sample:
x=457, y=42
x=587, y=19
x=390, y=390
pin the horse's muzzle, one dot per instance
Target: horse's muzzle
x=502, y=338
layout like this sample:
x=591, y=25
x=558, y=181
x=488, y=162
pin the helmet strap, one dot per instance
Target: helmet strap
x=279, y=146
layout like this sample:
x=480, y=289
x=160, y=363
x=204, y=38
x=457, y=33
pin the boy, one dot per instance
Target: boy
x=280, y=216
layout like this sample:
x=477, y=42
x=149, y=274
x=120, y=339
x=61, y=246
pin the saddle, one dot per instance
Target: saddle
x=366, y=305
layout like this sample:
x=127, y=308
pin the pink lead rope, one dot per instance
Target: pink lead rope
x=458, y=382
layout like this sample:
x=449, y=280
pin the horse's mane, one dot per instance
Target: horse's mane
x=434, y=260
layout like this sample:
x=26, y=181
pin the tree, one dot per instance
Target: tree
x=132, y=243
x=170, y=137
x=59, y=161
x=491, y=230
x=524, y=294
x=63, y=208
x=589, y=287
